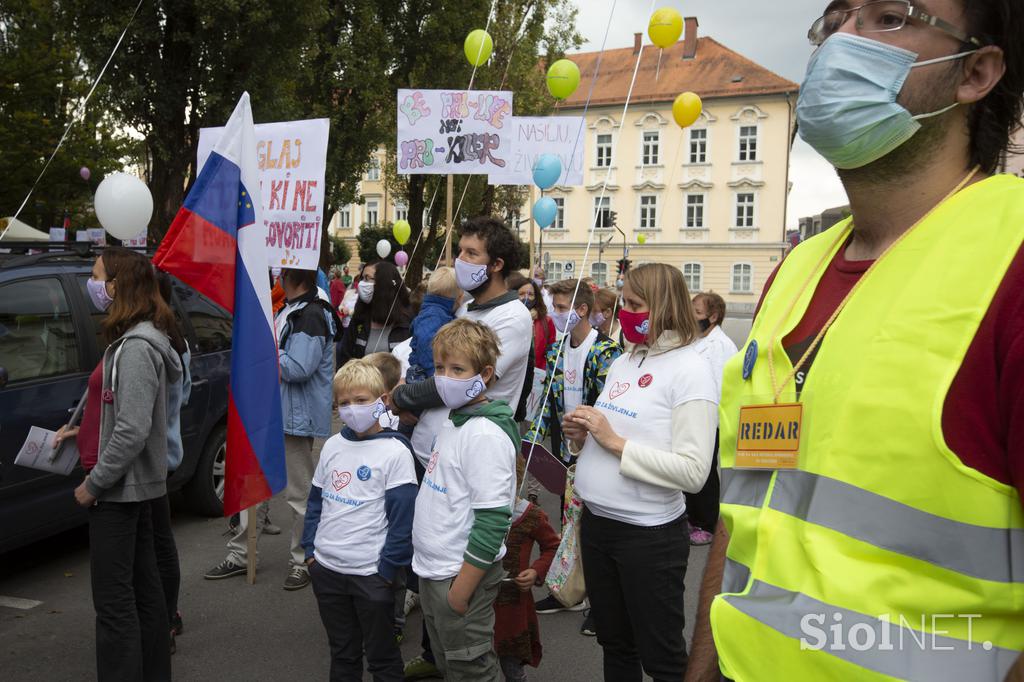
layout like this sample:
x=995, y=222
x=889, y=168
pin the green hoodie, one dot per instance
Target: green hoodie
x=498, y=411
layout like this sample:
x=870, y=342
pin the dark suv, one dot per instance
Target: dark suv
x=50, y=341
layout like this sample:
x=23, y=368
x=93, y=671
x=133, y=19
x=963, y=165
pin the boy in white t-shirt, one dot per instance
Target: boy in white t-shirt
x=464, y=506
x=358, y=528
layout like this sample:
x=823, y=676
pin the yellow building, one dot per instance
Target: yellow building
x=710, y=200
x=378, y=205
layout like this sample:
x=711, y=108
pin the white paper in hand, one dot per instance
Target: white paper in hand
x=38, y=452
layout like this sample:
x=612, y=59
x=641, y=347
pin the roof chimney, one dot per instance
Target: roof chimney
x=638, y=39
x=690, y=37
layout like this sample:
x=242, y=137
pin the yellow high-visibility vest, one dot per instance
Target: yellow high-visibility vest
x=882, y=556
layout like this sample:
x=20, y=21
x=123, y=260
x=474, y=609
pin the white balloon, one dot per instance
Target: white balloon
x=124, y=205
x=383, y=248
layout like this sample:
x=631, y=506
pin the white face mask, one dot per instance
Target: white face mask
x=457, y=392
x=366, y=291
x=361, y=418
x=470, y=276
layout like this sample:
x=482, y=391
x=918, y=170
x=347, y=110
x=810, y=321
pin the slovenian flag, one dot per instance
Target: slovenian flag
x=217, y=245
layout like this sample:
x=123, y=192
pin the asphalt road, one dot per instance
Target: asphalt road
x=233, y=631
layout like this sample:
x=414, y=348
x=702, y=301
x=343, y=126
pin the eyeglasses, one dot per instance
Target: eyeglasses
x=881, y=16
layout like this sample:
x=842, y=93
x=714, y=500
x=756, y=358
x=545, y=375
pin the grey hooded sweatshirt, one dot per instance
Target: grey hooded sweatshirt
x=138, y=369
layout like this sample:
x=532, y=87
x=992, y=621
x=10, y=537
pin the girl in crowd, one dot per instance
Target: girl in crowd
x=123, y=443
x=648, y=438
x=381, y=317
x=605, y=309
x=543, y=327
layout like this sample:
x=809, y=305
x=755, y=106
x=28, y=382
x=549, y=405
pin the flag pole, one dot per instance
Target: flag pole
x=250, y=554
x=530, y=217
x=451, y=227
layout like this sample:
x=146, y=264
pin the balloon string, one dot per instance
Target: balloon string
x=480, y=50
x=586, y=252
x=79, y=110
x=515, y=43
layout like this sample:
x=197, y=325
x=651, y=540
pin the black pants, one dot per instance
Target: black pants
x=702, y=507
x=634, y=579
x=132, y=639
x=358, y=614
x=166, y=554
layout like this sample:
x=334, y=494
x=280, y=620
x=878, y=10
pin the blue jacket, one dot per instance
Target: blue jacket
x=436, y=312
x=307, y=327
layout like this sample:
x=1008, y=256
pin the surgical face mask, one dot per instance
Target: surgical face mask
x=705, y=324
x=847, y=110
x=597, y=319
x=528, y=302
x=361, y=418
x=565, y=322
x=457, y=392
x=366, y=291
x=98, y=293
x=470, y=276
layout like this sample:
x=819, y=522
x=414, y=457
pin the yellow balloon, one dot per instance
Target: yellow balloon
x=641, y=238
x=402, y=230
x=686, y=109
x=478, y=47
x=665, y=28
x=563, y=78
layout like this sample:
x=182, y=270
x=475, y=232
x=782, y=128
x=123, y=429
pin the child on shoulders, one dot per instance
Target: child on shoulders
x=438, y=309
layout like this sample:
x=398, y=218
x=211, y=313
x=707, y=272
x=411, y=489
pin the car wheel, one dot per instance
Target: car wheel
x=205, y=492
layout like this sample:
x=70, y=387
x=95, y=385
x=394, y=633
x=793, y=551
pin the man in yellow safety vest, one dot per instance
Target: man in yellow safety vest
x=872, y=428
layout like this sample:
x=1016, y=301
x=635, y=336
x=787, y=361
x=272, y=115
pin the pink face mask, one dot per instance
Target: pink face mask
x=635, y=326
x=98, y=293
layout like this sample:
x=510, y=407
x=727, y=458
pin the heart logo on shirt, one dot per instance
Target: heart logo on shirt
x=645, y=381
x=432, y=463
x=340, y=479
x=618, y=388
x=570, y=376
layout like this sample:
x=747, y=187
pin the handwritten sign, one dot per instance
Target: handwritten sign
x=453, y=131
x=532, y=136
x=293, y=164
x=136, y=242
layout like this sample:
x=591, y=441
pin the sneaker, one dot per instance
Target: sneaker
x=532, y=498
x=587, y=629
x=298, y=577
x=225, y=569
x=700, y=537
x=270, y=528
x=176, y=625
x=551, y=605
x=420, y=668
x=412, y=600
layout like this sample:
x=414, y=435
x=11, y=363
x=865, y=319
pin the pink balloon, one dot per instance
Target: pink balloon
x=401, y=259
x=85, y=172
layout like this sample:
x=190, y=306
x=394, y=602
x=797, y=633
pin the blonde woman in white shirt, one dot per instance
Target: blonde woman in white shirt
x=649, y=437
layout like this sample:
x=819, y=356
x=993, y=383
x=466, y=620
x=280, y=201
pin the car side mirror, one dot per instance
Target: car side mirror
x=3, y=377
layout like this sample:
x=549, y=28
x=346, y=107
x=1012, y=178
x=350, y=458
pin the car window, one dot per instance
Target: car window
x=37, y=334
x=212, y=324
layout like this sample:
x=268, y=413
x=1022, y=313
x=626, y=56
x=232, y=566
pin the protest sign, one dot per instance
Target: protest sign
x=532, y=136
x=293, y=162
x=453, y=131
x=137, y=242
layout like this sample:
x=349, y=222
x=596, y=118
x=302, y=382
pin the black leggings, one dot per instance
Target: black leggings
x=166, y=553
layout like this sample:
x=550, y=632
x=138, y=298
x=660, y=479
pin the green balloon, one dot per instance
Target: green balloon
x=402, y=231
x=478, y=47
x=563, y=78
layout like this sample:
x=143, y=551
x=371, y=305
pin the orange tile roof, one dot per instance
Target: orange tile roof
x=712, y=73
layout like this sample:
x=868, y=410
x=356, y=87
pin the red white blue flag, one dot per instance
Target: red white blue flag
x=217, y=245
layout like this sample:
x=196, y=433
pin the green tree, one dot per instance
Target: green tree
x=367, y=240
x=42, y=84
x=341, y=253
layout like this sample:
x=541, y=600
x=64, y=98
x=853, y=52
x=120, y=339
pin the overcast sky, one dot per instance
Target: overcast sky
x=773, y=34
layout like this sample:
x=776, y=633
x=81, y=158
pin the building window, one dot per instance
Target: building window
x=692, y=275
x=603, y=213
x=604, y=150
x=401, y=212
x=559, y=223
x=373, y=172
x=345, y=221
x=698, y=145
x=554, y=271
x=742, y=278
x=695, y=211
x=599, y=273
x=748, y=143
x=648, y=212
x=745, y=210
x=371, y=213
x=650, y=148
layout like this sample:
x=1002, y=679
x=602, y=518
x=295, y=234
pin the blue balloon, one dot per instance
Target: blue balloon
x=546, y=171
x=544, y=212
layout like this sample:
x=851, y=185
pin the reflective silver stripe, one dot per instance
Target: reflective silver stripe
x=746, y=488
x=995, y=554
x=889, y=648
x=734, y=576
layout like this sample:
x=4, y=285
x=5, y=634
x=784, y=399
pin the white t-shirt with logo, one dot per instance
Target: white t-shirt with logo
x=639, y=395
x=354, y=476
x=512, y=324
x=716, y=348
x=573, y=366
x=472, y=467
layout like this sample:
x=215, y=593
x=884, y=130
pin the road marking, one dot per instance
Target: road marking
x=19, y=603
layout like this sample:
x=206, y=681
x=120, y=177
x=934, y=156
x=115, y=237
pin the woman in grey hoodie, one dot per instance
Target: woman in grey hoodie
x=130, y=471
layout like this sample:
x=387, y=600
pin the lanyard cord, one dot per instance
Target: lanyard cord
x=777, y=388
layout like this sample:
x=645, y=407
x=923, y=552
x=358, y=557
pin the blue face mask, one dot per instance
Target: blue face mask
x=847, y=110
